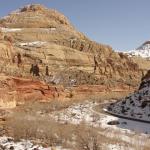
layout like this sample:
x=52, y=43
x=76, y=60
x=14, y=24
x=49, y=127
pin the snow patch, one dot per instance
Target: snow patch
x=10, y=29
x=116, y=147
x=140, y=53
x=35, y=43
x=8, y=143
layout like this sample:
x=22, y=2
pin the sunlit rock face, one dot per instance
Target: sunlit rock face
x=46, y=37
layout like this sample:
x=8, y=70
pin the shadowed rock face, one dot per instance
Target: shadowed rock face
x=147, y=76
x=46, y=36
x=145, y=81
x=136, y=105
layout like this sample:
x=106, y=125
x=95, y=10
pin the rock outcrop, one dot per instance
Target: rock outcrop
x=136, y=105
x=46, y=37
x=14, y=91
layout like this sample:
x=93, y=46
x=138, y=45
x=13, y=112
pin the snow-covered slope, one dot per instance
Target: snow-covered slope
x=142, y=51
x=136, y=105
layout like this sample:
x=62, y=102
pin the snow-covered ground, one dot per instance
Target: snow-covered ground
x=116, y=147
x=7, y=143
x=123, y=131
x=79, y=113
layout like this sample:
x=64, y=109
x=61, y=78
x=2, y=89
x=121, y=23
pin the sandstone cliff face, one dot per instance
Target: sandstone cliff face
x=6, y=50
x=46, y=36
x=15, y=91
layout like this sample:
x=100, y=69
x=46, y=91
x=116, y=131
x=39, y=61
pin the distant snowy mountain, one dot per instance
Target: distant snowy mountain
x=142, y=51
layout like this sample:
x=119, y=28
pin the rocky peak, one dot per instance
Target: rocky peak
x=33, y=8
x=34, y=16
x=144, y=46
x=142, y=51
x=147, y=42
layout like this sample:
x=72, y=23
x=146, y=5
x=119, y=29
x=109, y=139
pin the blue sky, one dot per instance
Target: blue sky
x=123, y=24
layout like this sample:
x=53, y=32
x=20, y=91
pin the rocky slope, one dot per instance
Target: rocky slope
x=46, y=37
x=136, y=105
